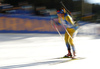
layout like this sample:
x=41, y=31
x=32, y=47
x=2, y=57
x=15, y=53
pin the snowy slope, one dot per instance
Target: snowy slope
x=37, y=51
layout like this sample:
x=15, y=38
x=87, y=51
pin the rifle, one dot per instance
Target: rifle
x=66, y=9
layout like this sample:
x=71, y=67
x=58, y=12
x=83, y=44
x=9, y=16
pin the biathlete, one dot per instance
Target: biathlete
x=67, y=22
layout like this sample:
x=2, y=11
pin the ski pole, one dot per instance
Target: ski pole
x=67, y=31
x=55, y=27
x=63, y=27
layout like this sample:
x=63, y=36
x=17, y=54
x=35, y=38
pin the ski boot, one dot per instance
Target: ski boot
x=74, y=55
x=69, y=55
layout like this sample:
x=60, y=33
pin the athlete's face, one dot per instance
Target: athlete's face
x=60, y=15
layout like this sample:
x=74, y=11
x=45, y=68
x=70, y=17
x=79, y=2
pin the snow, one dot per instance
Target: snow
x=37, y=51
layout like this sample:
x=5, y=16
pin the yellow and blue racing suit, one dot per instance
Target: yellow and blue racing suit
x=68, y=22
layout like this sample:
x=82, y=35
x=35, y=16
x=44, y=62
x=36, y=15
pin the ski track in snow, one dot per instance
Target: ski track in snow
x=36, y=51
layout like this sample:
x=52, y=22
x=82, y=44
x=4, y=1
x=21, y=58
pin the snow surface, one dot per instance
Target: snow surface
x=38, y=51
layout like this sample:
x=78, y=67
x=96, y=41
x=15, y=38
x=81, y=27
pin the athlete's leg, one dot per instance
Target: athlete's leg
x=71, y=32
x=67, y=45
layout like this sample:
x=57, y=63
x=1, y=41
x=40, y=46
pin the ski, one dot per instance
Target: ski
x=76, y=58
x=66, y=60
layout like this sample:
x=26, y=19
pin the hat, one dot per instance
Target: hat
x=60, y=12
